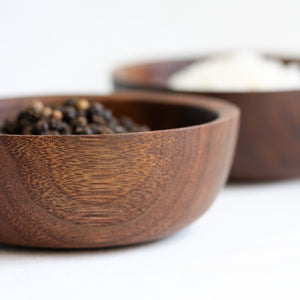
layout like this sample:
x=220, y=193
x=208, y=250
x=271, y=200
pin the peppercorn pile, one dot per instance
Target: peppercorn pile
x=73, y=117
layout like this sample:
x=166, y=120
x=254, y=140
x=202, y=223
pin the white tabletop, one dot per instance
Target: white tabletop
x=247, y=246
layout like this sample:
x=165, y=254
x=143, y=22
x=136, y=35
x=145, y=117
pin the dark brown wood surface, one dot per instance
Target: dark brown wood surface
x=115, y=189
x=269, y=140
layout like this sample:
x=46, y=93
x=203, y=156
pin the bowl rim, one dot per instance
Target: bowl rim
x=157, y=84
x=223, y=109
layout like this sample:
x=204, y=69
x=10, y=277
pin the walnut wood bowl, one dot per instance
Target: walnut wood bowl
x=269, y=141
x=86, y=191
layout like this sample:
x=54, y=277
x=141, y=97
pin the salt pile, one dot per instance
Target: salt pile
x=237, y=71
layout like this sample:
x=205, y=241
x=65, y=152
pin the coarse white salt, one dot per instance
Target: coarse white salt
x=237, y=71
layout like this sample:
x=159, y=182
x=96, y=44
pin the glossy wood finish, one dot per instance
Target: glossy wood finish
x=269, y=140
x=116, y=189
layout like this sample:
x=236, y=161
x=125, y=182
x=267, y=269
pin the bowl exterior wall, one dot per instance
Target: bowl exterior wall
x=269, y=140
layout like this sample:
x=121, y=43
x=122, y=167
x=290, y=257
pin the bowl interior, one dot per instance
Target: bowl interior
x=154, y=114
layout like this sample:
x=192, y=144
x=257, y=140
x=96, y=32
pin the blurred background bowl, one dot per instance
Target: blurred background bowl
x=269, y=141
x=115, y=189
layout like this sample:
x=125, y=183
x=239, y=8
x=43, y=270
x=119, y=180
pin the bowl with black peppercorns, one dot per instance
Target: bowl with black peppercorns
x=102, y=171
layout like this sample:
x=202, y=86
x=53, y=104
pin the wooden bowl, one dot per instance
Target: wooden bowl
x=115, y=189
x=269, y=140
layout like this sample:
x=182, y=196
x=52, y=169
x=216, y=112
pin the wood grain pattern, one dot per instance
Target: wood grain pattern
x=115, y=189
x=269, y=140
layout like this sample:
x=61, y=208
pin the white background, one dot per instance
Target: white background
x=248, y=245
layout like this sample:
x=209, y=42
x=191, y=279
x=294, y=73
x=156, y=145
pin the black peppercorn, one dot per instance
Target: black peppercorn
x=144, y=128
x=95, y=109
x=57, y=114
x=46, y=112
x=40, y=127
x=27, y=130
x=95, y=128
x=107, y=114
x=82, y=104
x=126, y=122
x=106, y=130
x=119, y=129
x=64, y=128
x=98, y=119
x=54, y=124
x=35, y=108
x=70, y=102
x=69, y=113
x=54, y=132
x=79, y=122
x=9, y=126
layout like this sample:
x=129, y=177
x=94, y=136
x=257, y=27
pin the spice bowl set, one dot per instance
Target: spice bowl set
x=88, y=190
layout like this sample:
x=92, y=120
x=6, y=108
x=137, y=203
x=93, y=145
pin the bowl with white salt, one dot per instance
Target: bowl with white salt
x=266, y=89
